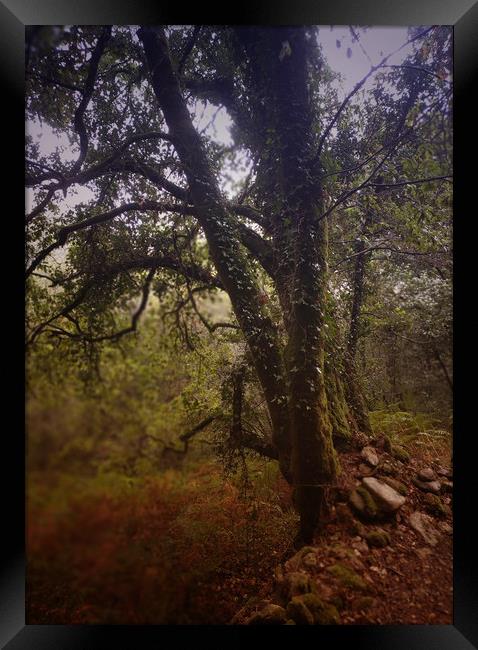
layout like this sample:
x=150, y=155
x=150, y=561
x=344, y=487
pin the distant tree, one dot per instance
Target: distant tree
x=152, y=213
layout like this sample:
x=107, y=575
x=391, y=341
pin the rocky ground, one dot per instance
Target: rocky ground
x=384, y=555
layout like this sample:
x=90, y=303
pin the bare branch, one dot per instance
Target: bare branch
x=78, y=121
x=189, y=46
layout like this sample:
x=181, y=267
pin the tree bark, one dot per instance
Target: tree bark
x=353, y=390
x=279, y=61
x=223, y=239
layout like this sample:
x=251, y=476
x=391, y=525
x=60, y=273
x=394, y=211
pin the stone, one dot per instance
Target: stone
x=296, y=561
x=423, y=525
x=323, y=613
x=298, y=611
x=387, y=468
x=270, y=615
x=309, y=561
x=370, y=455
x=396, y=485
x=434, y=505
x=363, y=503
x=295, y=584
x=443, y=471
x=446, y=486
x=252, y=606
x=445, y=527
x=365, y=470
x=427, y=486
x=400, y=454
x=347, y=576
x=426, y=474
x=389, y=500
x=378, y=538
x=423, y=553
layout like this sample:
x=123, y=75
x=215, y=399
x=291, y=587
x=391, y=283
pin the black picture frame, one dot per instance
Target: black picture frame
x=463, y=15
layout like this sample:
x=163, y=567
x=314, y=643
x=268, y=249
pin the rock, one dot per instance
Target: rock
x=309, y=561
x=365, y=470
x=378, y=538
x=423, y=553
x=446, y=528
x=423, y=525
x=363, y=503
x=298, y=611
x=447, y=486
x=347, y=576
x=447, y=473
x=345, y=517
x=434, y=505
x=396, y=485
x=400, y=454
x=270, y=615
x=296, y=561
x=388, y=499
x=387, y=468
x=246, y=612
x=323, y=613
x=426, y=474
x=427, y=486
x=369, y=455
x=294, y=584
x=360, y=546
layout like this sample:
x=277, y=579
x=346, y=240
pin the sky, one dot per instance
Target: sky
x=373, y=44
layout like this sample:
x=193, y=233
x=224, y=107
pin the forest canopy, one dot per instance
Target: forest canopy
x=223, y=237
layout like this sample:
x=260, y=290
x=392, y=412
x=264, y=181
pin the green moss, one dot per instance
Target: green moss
x=323, y=613
x=347, y=576
x=400, y=454
x=378, y=538
x=337, y=602
x=370, y=507
x=364, y=603
x=299, y=612
x=396, y=485
x=434, y=505
x=387, y=469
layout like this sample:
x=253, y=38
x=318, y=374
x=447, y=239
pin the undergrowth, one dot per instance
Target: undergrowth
x=419, y=432
x=177, y=548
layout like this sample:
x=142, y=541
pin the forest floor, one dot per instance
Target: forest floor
x=193, y=547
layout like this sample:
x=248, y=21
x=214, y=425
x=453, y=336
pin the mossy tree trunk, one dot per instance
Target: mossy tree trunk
x=279, y=76
x=353, y=389
x=293, y=379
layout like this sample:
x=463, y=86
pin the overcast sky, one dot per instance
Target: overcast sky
x=373, y=45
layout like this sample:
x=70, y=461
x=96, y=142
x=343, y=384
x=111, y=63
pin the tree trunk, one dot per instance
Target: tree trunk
x=314, y=463
x=223, y=240
x=279, y=60
x=353, y=390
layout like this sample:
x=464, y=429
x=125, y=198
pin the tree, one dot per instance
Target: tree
x=131, y=99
